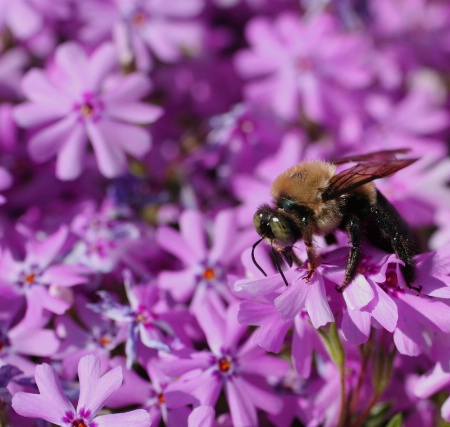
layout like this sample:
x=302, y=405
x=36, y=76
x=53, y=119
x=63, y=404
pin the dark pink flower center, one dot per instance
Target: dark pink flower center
x=304, y=63
x=224, y=364
x=139, y=18
x=91, y=108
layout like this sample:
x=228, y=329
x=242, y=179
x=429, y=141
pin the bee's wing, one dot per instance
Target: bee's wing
x=376, y=156
x=361, y=174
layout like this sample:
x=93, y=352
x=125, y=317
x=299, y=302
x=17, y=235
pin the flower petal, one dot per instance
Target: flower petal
x=94, y=391
x=136, y=418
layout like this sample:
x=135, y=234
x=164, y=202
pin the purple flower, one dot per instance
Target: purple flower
x=42, y=276
x=299, y=62
x=155, y=326
x=53, y=406
x=206, y=267
x=240, y=369
x=75, y=102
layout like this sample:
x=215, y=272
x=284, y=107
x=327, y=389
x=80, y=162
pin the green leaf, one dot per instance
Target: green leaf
x=396, y=420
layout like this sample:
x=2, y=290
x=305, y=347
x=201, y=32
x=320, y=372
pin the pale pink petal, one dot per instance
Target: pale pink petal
x=180, y=284
x=136, y=418
x=101, y=62
x=243, y=413
x=212, y=322
x=124, y=138
x=445, y=410
x=356, y=326
x=94, y=391
x=225, y=235
x=47, y=142
x=29, y=114
x=111, y=159
x=202, y=416
x=134, y=112
x=131, y=87
x=192, y=227
x=38, y=88
x=36, y=343
x=70, y=158
x=292, y=300
x=36, y=406
x=317, y=303
x=173, y=242
x=384, y=310
x=358, y=294
x=431, y=382
x=44, y=252
x=72, y=60
x=24, y=20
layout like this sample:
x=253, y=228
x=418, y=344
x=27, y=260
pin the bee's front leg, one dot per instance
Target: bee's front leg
x=312, y=256
x=353, y=228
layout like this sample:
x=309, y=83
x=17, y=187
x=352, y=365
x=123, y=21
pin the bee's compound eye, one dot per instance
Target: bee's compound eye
x=259, y=219
x=284, y=230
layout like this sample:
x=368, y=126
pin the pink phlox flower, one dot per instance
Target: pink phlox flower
x=415, y=119
x=155, y=325
x=238, y=368
x=298, y=296
x=432, y=382
x=93, y=334
x=167, y=29
x=43, y=276
x=419, y=316
x=205, y=266
x=298, y=61
x=22, y=337
x=239, y=139
x=75, y=102
x=294, y=392
x=25, y=18
x=107, y=238
x=52, y=405
x=139, y=27
x=417, y=30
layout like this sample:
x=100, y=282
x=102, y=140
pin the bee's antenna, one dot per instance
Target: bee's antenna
x=253, y=256
x=279, y=267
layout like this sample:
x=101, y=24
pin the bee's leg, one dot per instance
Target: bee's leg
x=353, y=228
x=400, y=244
x=312, y=256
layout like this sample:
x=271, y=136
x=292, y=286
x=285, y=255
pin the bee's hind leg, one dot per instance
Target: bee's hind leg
x=401, y=244
x=352, y=225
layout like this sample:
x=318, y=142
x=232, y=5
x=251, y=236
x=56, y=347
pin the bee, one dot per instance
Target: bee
x=310, y=199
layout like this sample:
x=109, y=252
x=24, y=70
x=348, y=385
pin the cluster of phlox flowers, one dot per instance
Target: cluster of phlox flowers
x=137, y=140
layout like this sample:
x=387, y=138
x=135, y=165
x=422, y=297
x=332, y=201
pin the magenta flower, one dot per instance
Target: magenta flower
x=205, y=268
x=74, y=103
x=53, y=406
x=299, y=61
x=239, y=369
x=42, y=276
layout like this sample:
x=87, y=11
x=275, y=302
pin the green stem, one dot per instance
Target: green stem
x=337, y=354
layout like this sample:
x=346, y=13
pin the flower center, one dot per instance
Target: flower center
x=90, y=108
x=247, y=126
x=105, y=340
x=161, y=398
x=304, y=64
x=139, y=19
x=78, y=423
x=224, y=364
x=29, y=278
x=391, y=279
x=209, y=274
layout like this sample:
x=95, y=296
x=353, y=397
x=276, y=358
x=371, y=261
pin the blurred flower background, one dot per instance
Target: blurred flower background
x=138, y=138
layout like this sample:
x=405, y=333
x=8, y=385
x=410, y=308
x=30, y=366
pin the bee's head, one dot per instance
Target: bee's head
x=276, y=226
